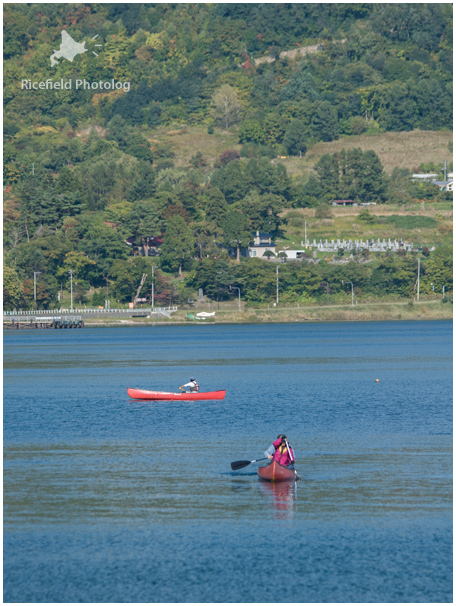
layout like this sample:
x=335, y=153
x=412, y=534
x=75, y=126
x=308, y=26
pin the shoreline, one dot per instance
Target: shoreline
x=396, y=312
x=365, y=312
x=128, y=324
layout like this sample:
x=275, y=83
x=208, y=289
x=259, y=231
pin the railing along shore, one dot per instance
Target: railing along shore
x=83, y=310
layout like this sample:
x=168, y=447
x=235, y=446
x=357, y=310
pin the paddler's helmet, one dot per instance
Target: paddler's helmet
x=192, y=378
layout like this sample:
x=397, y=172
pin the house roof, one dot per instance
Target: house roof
x=442, y=183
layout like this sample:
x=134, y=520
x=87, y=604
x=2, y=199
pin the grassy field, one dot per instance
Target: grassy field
x=186, y=141
x=404, y=149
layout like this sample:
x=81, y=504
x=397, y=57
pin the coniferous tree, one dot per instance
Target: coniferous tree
x=324, y=125
x=178, y=244
x=215, y=206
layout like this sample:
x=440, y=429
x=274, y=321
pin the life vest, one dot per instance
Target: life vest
x=281, y=455
x=195, y=386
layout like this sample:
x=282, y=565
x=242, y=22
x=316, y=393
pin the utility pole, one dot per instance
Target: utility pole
x=444, y=170
x=277, y=282
x=418, y=283
x=70, y=271
x=351, y=288
x=152, y=294
x=305, y=233
x=35, y=273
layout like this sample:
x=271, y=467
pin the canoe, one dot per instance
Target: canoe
x=274, y=472
x=142, y=394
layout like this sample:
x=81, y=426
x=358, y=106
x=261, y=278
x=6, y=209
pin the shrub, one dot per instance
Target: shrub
x=228, y=156
x=365, y=216
x=357, y=125
x=323, y=212
x=98, y=298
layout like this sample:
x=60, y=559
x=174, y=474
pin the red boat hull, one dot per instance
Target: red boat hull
x=274, y=472
x=142, y=394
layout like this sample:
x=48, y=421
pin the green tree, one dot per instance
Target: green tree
x=127, y=276
x=78, y=262
x=213, y=277
x=327, y=169
x=251, y=131
x=215, y=207
x=143, y=223
x=231, y=181
x=398, y=113
x=178, y=245
x=438, y=270
x=263, y=211
x=12, y=288
x=101, y=243
x=295, y=137
x=259, y=280
x=237, y=231
x=394, y=276
x=309, y=194
x=274, y=126
x=324, y=125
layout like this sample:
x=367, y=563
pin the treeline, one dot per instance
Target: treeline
x=303, y=282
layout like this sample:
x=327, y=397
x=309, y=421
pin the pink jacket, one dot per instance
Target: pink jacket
x=282, y=458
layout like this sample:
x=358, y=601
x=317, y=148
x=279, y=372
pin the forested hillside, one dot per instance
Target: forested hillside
x=94, y=172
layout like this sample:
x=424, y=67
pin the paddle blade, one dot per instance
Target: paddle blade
x=239, y=464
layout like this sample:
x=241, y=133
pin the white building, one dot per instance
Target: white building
x=261, y=244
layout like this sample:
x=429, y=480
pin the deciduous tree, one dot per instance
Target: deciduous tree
x=226, y=107
x=237, y=231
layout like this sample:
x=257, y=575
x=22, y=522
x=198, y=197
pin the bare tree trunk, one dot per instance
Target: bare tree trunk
x=26, y=230
x=238, y=254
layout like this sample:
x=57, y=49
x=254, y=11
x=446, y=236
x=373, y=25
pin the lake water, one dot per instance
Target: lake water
x=108, y=499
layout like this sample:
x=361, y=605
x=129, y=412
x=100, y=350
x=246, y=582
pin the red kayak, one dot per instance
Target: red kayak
x=274, y=472
x=142, y=394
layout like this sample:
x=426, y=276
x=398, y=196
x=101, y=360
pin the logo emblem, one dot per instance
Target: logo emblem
x=69, y=49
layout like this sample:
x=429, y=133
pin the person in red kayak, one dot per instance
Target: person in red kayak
x=281, y=451
x=192, y=385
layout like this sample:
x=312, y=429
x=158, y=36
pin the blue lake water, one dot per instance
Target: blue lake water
x=107, y=499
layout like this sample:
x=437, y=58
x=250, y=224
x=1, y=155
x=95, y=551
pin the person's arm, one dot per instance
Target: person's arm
x=182, y=387
x=269, y=453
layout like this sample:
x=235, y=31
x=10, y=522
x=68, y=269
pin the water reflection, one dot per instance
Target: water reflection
x=282, y=495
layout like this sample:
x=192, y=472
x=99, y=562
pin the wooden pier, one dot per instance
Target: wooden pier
x=59, y=322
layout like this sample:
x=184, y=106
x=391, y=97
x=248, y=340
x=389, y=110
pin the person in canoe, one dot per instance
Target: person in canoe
x=192, y=386
x=281, y=451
